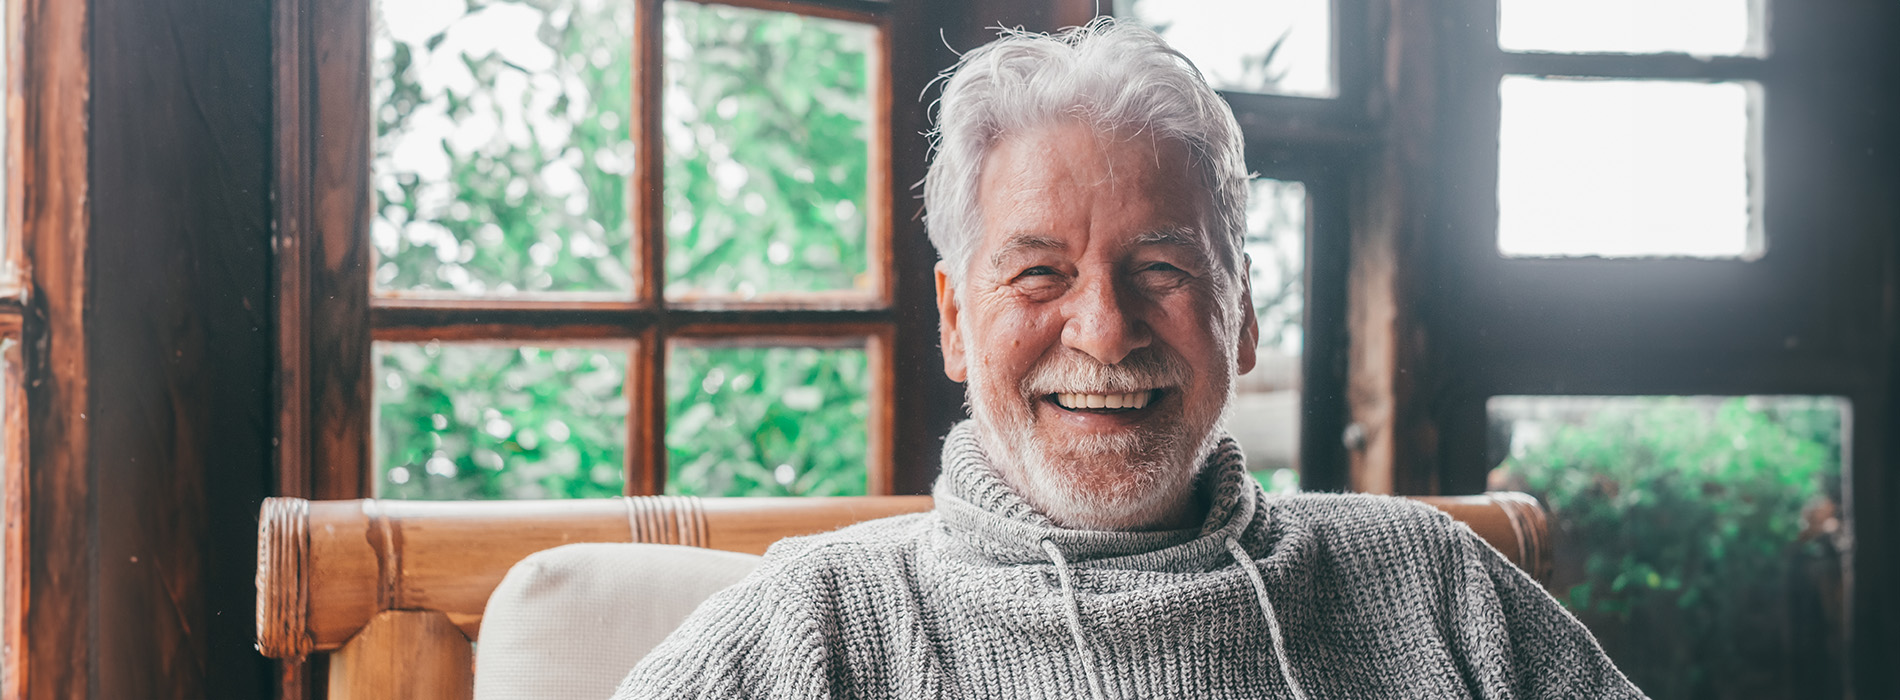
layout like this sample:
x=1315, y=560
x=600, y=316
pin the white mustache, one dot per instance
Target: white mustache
x=1076, y=372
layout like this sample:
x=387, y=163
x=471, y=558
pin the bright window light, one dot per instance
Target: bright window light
x=1625, y=168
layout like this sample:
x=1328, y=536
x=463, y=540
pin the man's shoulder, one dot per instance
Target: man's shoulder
x=1365, y=518
x=868, y=541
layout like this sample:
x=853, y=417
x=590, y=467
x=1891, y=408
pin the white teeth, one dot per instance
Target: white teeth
x=1136, y=399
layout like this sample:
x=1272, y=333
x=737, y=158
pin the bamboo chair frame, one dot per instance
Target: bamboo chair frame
x=395, y=589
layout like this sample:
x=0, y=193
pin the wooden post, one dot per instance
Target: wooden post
x=413, y=654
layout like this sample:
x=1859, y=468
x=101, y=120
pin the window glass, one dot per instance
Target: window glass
x=1266, y=419
x=502, y=150
x=1282, y=47
x=1701, y=27
x=1626, y=168
x=766, y=421
x=461, y=421
x=766, y=123
x=1699, y=538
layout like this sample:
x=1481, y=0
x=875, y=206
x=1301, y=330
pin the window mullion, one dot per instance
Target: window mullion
x=646, y=441
x=649, y=153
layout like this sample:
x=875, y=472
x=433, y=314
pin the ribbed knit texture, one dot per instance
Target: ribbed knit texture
x=1375, y=598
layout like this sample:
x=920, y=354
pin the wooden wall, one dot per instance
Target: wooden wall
x=151, y=328
x=152, y=411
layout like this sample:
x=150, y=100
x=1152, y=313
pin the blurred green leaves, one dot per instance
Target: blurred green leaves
x=766, y=124
x=766, y=421
x=502, y=154
x=480, y=421
x=1700, y=526
x=502, y=166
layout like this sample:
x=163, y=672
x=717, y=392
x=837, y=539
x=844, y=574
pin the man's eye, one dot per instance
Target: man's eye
x=1038, y=271
x=1160, y=267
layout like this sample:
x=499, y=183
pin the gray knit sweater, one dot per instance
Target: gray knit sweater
x=1315, y=596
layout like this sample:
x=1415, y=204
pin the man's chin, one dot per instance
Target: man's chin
x=1106, y=489
x=1136, y=502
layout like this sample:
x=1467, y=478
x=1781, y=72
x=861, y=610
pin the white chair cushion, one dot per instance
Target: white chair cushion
x=569, y=622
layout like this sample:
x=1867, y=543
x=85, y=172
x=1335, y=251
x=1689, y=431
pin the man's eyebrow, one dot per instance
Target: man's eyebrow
x=1183, y=237
x=1025, y=241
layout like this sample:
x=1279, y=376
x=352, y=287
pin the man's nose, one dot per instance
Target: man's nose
x=1102, y=322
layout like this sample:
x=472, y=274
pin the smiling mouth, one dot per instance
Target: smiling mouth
x=1105, y=403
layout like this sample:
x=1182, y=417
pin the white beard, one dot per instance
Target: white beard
x=1135, y=480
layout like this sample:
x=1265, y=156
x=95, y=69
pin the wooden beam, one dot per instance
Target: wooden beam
x=59, y=615
x=322, y=244
x=405, y=654
x=1389, y=385
x=1665, y=66
x=864, y=11
x=13, y=540
x=177, y=342
x=925, y=403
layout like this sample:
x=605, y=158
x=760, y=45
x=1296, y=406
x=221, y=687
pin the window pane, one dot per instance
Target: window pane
x=502, y=150
x=1266, y=419
x=1701, y=27
x=766, y=421
x=483, y=421
x=766, y=120
x=1619, y=168
x=1698, y=537
x=1284, y=48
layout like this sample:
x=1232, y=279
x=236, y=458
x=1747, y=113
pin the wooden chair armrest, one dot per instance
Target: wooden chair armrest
x=327, y=568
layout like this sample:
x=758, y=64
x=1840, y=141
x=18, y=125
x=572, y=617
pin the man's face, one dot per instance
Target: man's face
x=1096, y=329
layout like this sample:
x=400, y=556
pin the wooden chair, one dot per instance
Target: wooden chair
x=394, y=590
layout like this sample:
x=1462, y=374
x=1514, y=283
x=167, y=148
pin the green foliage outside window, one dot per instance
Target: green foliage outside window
x=1695, y=532
x=767, y=115
x=482, y=421
x=502, y=166
x=772, y=421
x=502, y=152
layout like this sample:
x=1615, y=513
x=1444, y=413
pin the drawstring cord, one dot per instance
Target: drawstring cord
x=1266, y=608
x=1075, y=619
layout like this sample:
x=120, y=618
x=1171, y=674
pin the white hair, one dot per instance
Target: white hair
x=1112, y=76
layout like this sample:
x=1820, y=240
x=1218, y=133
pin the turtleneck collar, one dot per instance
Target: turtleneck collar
x=993, y=522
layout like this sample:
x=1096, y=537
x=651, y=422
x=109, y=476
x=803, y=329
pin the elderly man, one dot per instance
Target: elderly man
x=1095, y=535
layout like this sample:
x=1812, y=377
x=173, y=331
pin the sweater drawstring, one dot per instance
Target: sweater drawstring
x=1266, y=608
x=1075, y=619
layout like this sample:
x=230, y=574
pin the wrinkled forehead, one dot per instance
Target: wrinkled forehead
x=1038, y=185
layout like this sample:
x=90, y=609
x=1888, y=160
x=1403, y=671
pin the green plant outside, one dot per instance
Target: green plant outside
x=766, y=181
x=481, y=421
x=766, y=421
x=1691, y=522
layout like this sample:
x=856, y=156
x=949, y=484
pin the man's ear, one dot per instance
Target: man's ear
x=1250, y=321
x=948, y=335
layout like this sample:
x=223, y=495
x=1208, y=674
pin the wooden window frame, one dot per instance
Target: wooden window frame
x=14, y=547
x=328, y=320
x=46, y=484
x=330, y=315
x=1461, y=323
